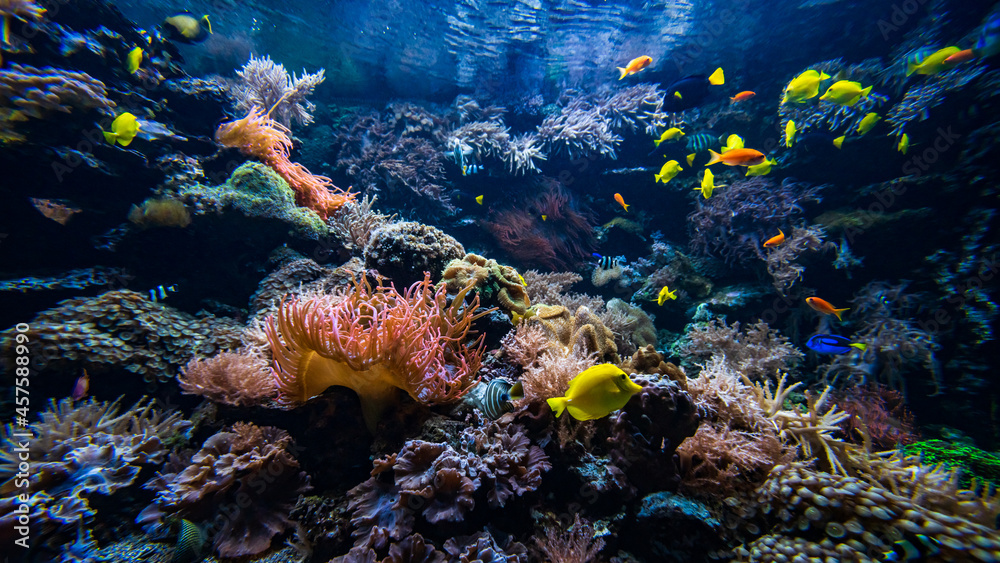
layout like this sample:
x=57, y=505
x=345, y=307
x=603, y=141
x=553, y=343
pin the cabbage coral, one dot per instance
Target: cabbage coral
x=376, y=341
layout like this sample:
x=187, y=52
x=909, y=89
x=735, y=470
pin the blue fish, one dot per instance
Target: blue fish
x=158, y=293
x=833, y=344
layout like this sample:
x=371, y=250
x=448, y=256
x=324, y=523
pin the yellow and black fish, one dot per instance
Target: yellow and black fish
x=186, y=27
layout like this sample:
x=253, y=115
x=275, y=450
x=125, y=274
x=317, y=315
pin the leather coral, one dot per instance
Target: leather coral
x=376, y=341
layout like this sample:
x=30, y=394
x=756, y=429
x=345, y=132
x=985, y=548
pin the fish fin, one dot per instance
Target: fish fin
x=839, y=141
x=580, y=414
x=823, y=75
x=678, y=96
x=859, y=345
x=623, y=71
x=717, y=78
x=866, y=91
x=690, y=158
x=716, y=157
x=125, y=142
x=558, y=405
x=516, y=392
x=839, y=312
x=207, y=23
x=110, y=137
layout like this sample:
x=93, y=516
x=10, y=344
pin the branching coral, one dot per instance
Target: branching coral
x=781, y=261
x=736, y=222
x=376, y=341
x=353, y=223
x=259, y=136
x=251, y=468
x=269, y=87
x=576, y=544
x=758, y=351
x=228, y=378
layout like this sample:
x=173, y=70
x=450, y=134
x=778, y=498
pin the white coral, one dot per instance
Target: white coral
x=267, y=85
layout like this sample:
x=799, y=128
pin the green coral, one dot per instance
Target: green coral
x=974, y=462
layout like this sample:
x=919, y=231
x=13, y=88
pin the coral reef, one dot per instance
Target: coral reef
x=353, y=224
x=494, y=283
x=252, y=468
x=781, y=261
x=757, y=352
x=268, y=86
x=26, y=91
x=160, y=213
x=405, y=251
x=971, y=465
x=121, y=330
x=376, y=342
x=229, y=378
x=576, y=544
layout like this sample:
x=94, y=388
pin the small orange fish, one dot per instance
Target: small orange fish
x=737, y=157
x=960, y=57
x=742, y=96
x=775, y=240
x=635, y=65
x=825, y=307
x=621, y=200
x=81, y=387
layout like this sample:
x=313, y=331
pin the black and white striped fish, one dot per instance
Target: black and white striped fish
x=608, y=262
x=160, y=292
x=496, y=400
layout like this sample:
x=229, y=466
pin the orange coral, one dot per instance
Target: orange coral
x=261, y=137
x=376, y=341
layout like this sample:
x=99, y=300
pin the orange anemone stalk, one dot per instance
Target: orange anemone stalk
x=261, y=137
x=376, y=341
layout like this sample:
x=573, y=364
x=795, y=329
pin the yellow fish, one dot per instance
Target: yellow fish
x=690, y=158
x=868, y=122
x=707, y=184
x=133, y=60
x=762, y=169
x=845, y=93
x=479, y=199
x=670, y=169
x=734, y=141
x=520, y=277
x=904, y=143
x=664, y=295
x=804, y=86
x=933, y=63
x=545, y=217
x=595, y=393
x=790, y=133
x=123, y=129
x=839, y=141
x=669, y=135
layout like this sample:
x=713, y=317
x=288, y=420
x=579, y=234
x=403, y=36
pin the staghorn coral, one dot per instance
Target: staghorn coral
x=406, y=251
x=737, y=221
x=757, y=352
x=121, y=329
x=256, y=190
x=376, y=341
x=250, y=467
x=268, y=86
x=259, y=136
x=233, y=379
x=494, y=283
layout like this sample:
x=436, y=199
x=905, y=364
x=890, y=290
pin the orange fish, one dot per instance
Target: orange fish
x=742, y=96
x=825, y=307
x=775, y=240
x=737, y=157
x=635, y=65
x=621, y=200
x=960, y=57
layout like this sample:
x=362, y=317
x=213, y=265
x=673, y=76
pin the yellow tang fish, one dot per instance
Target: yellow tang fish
x=931, y=64
x=790, y=133
x=845, y=93
x=734, y=141
x=868, y=122
x=664, y=295
x=479, y=199
x=595, y=393
x=670, y=169
x=762, y=169
x=707, y=184
x=690, y=158
x=804, y=86
x=123, y=129
x=904, y=143
x=669, y=135
x=133, y=60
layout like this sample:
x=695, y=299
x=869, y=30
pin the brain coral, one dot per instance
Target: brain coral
x=404, y=251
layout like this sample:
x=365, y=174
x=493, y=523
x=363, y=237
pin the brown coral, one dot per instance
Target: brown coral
x=583, y=330
x=494, y=283
x=404, y=251
x=233, y=379
x=160, y=213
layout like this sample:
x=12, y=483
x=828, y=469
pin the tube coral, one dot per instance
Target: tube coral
x=375, y=341
x=259, y=136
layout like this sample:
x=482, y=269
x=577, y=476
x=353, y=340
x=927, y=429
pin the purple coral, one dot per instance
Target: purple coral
x=735, y=222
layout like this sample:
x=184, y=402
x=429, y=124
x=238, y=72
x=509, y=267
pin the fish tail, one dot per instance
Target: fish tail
x=656, y=142
x=717, y=78
x=839, y=141
x=626, y=206
x=558, y=405
x=657, y=178
x=839, y=312
x=866, y=91
x=110, y=137
x=716, y=157
x=624, y=72
x=859, y=345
